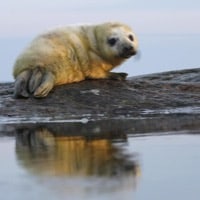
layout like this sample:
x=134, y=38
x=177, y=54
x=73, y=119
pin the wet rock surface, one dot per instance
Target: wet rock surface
x=164, y=101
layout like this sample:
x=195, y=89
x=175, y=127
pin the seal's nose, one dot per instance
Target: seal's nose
x=128, y=49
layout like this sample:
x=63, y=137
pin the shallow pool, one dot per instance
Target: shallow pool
x=38, y=163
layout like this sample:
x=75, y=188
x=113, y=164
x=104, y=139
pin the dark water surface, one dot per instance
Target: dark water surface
x=42, y=163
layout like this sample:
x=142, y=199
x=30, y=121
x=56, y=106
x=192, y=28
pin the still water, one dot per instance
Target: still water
x=38, y=163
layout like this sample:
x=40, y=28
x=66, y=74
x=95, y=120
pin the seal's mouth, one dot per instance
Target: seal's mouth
x=128, y=54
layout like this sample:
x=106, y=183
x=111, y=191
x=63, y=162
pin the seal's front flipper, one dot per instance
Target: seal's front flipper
x=21, y=84
x=46, y=85
x=117, y=76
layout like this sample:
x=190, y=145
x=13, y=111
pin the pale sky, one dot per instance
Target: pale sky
x=21, y=20
x=29, y=17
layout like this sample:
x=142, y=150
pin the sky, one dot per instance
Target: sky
x=22, y=20
x=27, y=18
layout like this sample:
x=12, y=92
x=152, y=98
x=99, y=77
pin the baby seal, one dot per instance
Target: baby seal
x=72, y=54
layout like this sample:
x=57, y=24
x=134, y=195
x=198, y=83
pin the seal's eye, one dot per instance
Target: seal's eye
x=131, y=37
x=112, y=41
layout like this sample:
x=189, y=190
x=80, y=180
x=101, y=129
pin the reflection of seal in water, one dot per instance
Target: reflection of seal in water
x=43, y=153
x=72, y=54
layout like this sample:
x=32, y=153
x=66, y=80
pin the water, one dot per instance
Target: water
x=158, y=53
x=37, y=162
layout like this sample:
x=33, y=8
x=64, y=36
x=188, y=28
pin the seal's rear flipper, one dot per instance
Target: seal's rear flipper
x=35, y=79
x=46, y=85
x=21, y=84
x=37, y=82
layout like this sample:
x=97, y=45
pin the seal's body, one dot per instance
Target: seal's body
x=72, y=54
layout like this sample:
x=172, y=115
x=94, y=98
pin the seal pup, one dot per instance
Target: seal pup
x=72, y=54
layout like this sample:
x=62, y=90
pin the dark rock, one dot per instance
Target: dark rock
x=153, y=101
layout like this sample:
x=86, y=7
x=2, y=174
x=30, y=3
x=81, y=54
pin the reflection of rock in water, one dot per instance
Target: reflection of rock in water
x=41, y=152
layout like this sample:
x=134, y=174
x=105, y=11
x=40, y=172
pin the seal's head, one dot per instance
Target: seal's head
x=117, y=41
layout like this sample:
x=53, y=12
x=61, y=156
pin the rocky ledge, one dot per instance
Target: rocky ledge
x=153, y=102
